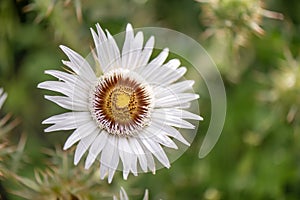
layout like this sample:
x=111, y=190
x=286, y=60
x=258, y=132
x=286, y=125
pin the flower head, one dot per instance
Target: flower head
x=129, y=111
x=8, y=151
x=283, y=88
x=238, y=18
x=57, y=181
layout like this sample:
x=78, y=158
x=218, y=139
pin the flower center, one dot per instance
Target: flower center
x=121, y=103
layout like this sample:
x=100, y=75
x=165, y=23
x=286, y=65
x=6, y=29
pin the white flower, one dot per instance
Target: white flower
x=3, y=97
x=126, y=113
x=124, y=196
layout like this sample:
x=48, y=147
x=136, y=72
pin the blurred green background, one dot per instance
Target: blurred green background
x=256, y=51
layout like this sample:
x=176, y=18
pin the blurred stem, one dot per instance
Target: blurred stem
x=19, y=152
x=65, y=164
x=3, y=193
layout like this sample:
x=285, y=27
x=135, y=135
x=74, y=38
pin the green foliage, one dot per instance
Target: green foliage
x=257, y=156
x=57, y=181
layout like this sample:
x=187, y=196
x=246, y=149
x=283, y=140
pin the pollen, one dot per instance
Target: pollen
x=121, y=103
x=122, y=99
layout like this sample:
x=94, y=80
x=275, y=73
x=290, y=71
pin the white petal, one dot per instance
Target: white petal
x=68, y=103
x=61, y=127
x=166, y=141
x=126, y=51
x=138, y=150
x=172, y=120
x=175, y=99
x=134, y=165
x=157, y=151
x=160, y=59
x=157, y=73
x=179, y=113
x=183, y=106
x=69, y=116
x=83, y=146
x=123, y=194
x=67, y=121
x=3, y=97
x=172, y=64
x=146, y=52
x=165, y=75
x=63, y=88
x=70, y=79
x=100, y=41
x=114, y=52
x=78, y=64
x=173, y=76
x=62, y=76
x=111, y=173
x=150, y=162
x=159, y=136
x=146, y=196
x=131, y=59
x=181, y=86
x=96, y=148
x=107, y=50
x=79, y=133
x=103, y=171
x=56, y=86
x=153, y=68
x=125, y=155
x=170, y=131
x=110, y=156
